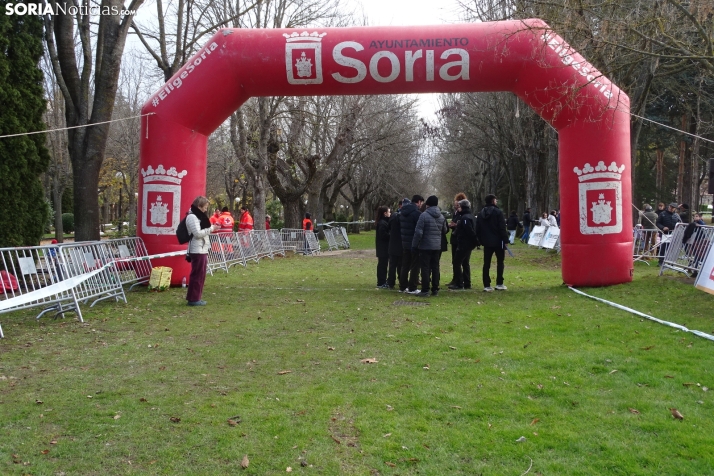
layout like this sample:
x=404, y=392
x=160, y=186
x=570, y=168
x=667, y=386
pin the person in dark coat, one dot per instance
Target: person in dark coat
x=526, y=225
x=452, y=226
x=666, y=222
x=382, y=245
x=395, y=248
x=408, y=218
x=684, y=213
x=428, y=234
x=491, y=232
x=465, y=227
x=512, y=226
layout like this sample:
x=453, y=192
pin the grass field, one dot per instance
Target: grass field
x=533, y=380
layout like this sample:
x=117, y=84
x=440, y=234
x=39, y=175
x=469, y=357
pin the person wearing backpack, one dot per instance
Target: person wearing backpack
x=199, y=227
x=465, y=243
x=492, y=234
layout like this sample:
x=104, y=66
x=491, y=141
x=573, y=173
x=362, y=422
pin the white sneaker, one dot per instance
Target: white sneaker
x=416, y=291
x=488, y=289
x=501, y=287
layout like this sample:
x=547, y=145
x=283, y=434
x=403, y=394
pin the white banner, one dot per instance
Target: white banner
x=705, y=278
x=551, y=237
x=536, y=236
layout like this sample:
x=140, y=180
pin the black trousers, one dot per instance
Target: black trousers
x=462, y=268
x=429, y=260
x=410, y=270
x=382, y=264
x=453, y=261
x=395, y=269
x=488, y=252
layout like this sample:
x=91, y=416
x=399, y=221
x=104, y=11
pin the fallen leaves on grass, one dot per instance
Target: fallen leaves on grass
x=390, y=464
x=369, y=361
x=175, y=419
x=116, y=417
x=613, y=371
x=39, y=402
x=386, y=435
x=648, y=347
x=244, y=462
x=330, y=348
x=426, y=367
x=535, y=420
x=44, y=452
x=521, y=439
x=283, y=372
x=687, y=384
x=668, y=376
x=676, y=414
x=634, y=411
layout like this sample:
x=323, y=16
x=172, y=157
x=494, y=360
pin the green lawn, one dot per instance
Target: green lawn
x=271, y=369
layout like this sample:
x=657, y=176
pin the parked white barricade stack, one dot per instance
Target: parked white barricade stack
x=551, y=240
x=293, y=239
x=312, y=244
x=232, y=250
x=645, y=244
x=331, y=239
x=216, y=252
x=687, y=256
x=29, y=269
x=537, y=236
x=261, y=245
x=246, y=244
x=77, y=259
x=276, y=242
x=131, y=260
x=346, y=240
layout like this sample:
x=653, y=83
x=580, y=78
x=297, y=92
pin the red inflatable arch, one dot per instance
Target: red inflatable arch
x=590, y=114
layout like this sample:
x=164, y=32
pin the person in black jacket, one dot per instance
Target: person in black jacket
x=464, y=245
x=452, y=226
x=395, y=248
x=382, y=245
x=408, y=218
x=512, y=226
x=526, y=225
x=492, y=234
x=666, y=222
x=428, y=236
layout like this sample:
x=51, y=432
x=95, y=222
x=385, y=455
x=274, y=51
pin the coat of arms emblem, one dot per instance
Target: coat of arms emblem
x=161, y=203
x=600, y=193
x=303, y=57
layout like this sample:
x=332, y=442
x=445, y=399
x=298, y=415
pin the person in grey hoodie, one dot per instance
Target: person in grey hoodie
x=427, y=239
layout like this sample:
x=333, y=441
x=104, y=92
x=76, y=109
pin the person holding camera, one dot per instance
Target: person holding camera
x=200, y=227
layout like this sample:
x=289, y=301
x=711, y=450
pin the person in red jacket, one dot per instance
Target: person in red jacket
x=307, y=223
x=214, y=218
x=225, y=219
x=246, y=221
x=267, y=222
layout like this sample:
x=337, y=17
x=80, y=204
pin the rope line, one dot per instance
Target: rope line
x=75, y=127
x=673, y=128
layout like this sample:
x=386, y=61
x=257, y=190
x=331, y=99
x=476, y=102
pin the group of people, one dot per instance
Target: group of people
x=225, y=219
x=409, y=244
x=664, y=220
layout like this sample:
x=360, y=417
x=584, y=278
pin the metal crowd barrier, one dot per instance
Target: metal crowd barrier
x=276, y=242
x=245, y=241
x=687, y=257
x=232, y=250
x=330, y=238
x=293, y=239
x=219, y=244
x=77, y=259
x=261, y=244
x=131, y=260
x=345, y=241
x=645, y=244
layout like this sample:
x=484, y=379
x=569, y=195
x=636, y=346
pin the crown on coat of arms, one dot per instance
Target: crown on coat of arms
x=588, y=172
x=161, y=174
x=304, y=36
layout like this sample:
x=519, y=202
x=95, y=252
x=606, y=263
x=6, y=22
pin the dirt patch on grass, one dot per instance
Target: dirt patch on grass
x=354, y=254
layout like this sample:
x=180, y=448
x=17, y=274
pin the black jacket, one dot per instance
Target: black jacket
x=491, y=227
x=526, y=220
x=512, y=222
x=466, y=219
x=395, y=235
x=382, y=238
x=668, y=220
x=408, y=218
x=455, y=219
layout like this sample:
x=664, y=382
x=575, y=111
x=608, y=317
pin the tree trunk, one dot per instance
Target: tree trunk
x=292, y=212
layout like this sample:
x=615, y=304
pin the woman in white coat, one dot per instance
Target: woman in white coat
x=199, y=226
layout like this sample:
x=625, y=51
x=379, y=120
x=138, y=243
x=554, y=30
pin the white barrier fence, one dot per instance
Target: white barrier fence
x=547, y=237
x=685, y=253
x=58, y=278
x=336, y=238
x=645, y=244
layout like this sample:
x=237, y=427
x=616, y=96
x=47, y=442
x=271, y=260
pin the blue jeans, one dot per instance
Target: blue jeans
x=526, y=234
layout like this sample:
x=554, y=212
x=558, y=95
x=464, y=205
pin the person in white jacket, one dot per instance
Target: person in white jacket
x=552, y=220
x=199, y=227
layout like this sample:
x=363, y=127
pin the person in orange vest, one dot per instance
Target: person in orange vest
x=307, y=223
x=226, y=221
x=246, y=221
x=214, y=218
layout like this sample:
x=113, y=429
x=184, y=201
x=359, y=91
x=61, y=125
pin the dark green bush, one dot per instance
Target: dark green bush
x=68, y=222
